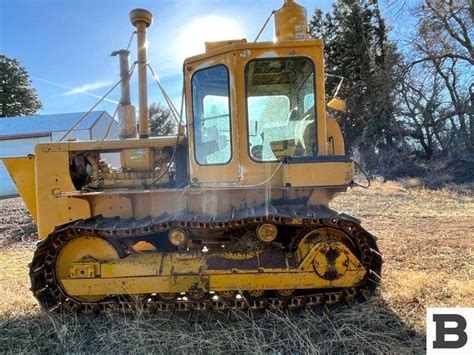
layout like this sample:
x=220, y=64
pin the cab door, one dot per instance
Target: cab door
x=212, y=117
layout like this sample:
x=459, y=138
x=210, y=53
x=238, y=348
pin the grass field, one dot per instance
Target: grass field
x=425, y=236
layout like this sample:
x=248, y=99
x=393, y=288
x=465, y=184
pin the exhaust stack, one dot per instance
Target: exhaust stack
x=142, y=19
x=126, y=111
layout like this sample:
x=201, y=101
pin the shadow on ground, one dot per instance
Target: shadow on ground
x=371, y=327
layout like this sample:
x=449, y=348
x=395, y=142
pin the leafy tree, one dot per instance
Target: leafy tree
x=357, y=48
x=17, y=96
x=160, y=120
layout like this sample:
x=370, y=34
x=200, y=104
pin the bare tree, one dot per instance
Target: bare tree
x=428, y=119
x=442, y=44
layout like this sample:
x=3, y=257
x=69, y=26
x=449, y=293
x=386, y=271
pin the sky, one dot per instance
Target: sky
x=65, y=45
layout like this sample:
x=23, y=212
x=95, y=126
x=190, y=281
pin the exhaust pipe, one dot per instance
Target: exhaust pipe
x=126, y=111
x=142, y=19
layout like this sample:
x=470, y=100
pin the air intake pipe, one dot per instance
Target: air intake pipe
x=142, y=19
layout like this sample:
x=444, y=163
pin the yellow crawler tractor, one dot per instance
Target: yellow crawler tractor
x=230, y=213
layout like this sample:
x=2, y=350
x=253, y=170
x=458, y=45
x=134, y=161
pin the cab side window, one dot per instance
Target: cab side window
x=211, y=115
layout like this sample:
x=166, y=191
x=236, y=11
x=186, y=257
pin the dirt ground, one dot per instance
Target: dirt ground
x=426, y=238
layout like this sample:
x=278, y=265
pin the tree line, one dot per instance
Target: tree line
x=409, y=98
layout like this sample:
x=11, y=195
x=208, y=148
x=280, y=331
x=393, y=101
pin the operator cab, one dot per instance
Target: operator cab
x=253, y=107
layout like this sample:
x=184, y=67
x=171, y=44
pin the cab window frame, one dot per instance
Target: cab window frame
x=316, y=116
x=231, y=156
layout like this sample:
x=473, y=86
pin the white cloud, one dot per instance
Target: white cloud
x=84, y=89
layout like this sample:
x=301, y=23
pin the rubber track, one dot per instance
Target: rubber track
x=47, y=291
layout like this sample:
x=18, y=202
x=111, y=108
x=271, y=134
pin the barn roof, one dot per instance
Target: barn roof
x=27, y=126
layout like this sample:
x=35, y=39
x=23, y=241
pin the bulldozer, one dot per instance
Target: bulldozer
x=230, y=213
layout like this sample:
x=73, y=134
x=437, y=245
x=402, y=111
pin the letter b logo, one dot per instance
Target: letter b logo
x=450, y=331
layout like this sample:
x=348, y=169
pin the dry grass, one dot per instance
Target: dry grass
x=16, y=224
x=426, y=238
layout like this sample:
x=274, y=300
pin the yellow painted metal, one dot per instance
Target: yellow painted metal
x=312, y=242
x=335, y=138
x=87, y=249
x=83, y=270
x=110, y=145
x=337, y=104
x=113, y=205
x=345, y=262
x=309, y=174
x=154, y=264
x=52, y=178
x=126, y=285
x=22, y=172
x=182, y=272
x=268, y=280
x=291, y=22
x=218, y=282
x=214, y=45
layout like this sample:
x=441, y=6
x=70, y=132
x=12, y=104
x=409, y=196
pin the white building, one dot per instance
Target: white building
x=19, y=135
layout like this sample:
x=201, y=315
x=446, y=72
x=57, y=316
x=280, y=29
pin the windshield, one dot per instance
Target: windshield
x=281, y=113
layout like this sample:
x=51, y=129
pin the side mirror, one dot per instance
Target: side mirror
x=337, y=104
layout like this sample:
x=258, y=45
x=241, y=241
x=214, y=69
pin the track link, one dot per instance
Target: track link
x=46, y=289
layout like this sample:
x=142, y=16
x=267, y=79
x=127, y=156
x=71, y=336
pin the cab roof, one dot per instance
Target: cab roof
x=239, y=45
